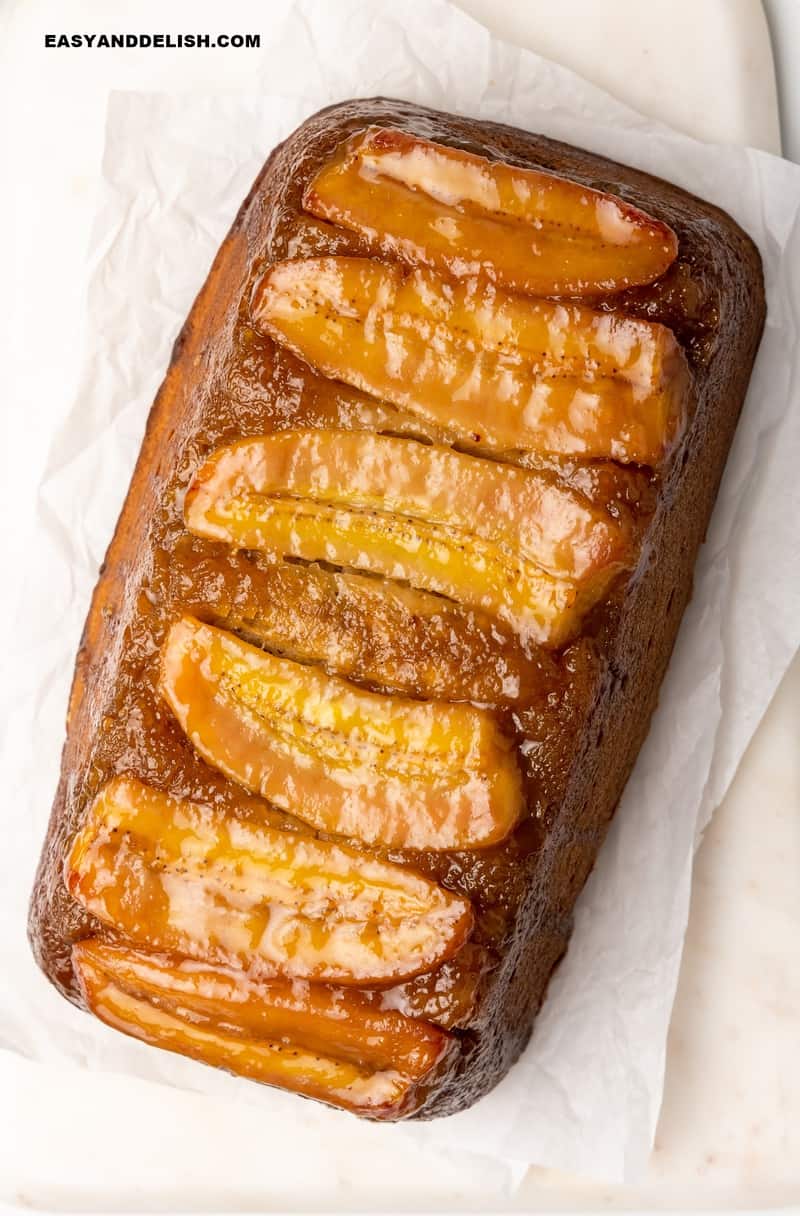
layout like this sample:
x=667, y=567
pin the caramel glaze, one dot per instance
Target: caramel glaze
x=247, y=386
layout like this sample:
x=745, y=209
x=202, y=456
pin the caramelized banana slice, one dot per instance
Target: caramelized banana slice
x=492, y=368
x=271, y=1061
x=385, y=770
x=335, y=1022
x=465, y=215
x=511, y=541
x=173, y=875
x=392, y=638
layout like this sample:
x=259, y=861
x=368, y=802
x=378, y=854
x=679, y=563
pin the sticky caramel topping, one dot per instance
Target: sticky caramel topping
x=531, y=231
x=418, y=485
x=389, y=771
x=333, y=1020
x=329, y=1043
x=335, y=1081
x=379, y=634
x=490, y=368
x=176, y=876
x=510, y=541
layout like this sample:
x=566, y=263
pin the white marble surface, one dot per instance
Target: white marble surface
x=703, y=66
x=730, y=1129
x=783, y=17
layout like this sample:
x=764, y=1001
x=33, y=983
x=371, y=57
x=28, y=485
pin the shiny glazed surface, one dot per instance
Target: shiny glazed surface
x=230, y=382
x=174, y=875
x=492, y=369
x=333, y=1021
x=391, y=772
x=276, y=1037
x=513, y=542
x=528, y=230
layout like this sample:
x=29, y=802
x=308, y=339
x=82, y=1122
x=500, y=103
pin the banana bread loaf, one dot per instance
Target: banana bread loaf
x=383, y=622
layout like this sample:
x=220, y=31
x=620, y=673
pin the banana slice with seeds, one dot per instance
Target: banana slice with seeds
x=172, y=875
x=328, y=1043
x=513, y=542
x=389, y=771
x=492, y=369
x=526, y=229
x=391, y=638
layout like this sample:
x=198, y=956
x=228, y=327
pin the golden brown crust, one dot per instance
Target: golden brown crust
x=524, y=891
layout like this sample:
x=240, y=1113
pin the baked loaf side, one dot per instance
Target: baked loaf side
x=420, y=696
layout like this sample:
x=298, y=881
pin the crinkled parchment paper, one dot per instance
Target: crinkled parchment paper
x=586, y=1095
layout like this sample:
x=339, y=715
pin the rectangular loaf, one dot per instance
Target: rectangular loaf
x=222, y=385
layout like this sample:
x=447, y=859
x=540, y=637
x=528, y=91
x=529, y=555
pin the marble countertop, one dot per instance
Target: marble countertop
x=783, y=17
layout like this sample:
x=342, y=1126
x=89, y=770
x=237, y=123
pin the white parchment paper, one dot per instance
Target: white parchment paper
x=586, y=1095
